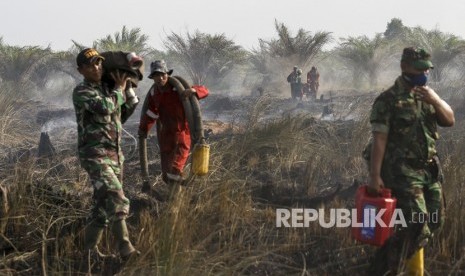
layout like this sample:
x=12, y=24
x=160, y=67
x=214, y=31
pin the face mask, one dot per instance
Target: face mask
x=416, y=80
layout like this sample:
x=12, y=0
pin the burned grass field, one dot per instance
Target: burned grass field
x=266, y=153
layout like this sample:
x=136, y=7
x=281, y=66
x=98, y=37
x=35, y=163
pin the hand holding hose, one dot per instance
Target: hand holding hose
x=120, y=79
x=143, y=158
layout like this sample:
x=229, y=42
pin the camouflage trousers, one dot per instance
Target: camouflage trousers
x=110, y=203
x=418, y=190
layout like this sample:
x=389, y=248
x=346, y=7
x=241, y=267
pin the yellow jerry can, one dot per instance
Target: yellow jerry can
x=200, y=159
x=415, y=265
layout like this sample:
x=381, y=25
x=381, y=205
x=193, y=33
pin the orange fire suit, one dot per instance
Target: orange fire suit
x=173, y=134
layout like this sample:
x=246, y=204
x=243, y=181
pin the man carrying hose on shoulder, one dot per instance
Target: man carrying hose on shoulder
x=100, y=113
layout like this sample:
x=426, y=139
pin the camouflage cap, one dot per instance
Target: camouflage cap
x=159, y=66
x=417, y=57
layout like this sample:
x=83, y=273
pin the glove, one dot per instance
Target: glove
x=188, y=92
x=131, y=97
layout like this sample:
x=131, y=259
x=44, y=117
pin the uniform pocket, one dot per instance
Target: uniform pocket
x=436, y=170
x=404, y=120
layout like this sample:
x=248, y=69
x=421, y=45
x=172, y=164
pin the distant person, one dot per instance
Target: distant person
x=295, y=80
x=100, y=112
x=313, y=79
x=403, y=158
x=163, y=103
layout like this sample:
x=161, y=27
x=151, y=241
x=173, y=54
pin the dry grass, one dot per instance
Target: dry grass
x=14, y=111
x=224, y=223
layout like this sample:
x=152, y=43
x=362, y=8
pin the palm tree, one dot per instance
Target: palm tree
x=260, y=59
x=365, y=57
x=444, y=48
x=260, y=66
x=28, y=66
x=127, y=40
x=300, y=49
x=66, y=61
x=285, y=51
x=205, y=57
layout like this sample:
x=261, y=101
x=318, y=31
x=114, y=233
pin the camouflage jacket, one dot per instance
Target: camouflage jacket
x=411, y=124
x=99, y=115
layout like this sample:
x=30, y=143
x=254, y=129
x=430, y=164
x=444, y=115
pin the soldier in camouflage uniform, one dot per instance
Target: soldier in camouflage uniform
x=100, y=112
x=404, y=123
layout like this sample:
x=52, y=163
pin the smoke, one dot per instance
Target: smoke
x=60, y=123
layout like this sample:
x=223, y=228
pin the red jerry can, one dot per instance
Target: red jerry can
x=367, y=229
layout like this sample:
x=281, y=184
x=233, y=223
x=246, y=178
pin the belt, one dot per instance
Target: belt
x=420, y=163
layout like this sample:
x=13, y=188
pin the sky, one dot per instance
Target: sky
x=56, y=23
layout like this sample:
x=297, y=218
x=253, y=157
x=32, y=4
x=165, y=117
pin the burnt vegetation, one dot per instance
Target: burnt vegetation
x=267, y=152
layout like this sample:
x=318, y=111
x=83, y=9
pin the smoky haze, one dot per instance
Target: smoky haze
x=56, y=23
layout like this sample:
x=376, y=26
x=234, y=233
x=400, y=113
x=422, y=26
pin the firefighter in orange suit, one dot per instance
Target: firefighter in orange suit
x=164, y=104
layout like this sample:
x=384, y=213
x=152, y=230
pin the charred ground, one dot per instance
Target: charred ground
x=266, y=153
